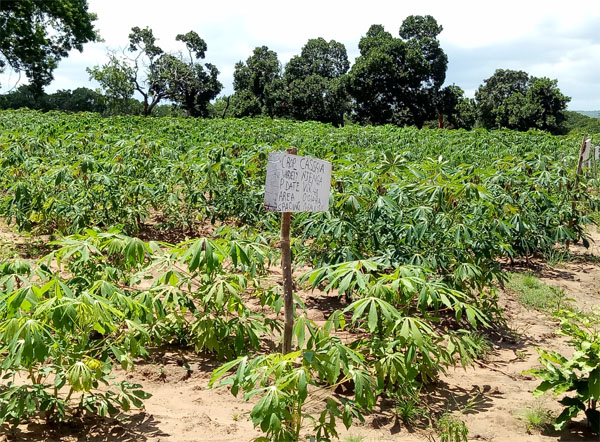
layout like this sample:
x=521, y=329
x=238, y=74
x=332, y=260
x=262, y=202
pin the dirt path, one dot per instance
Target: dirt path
x=489, y=397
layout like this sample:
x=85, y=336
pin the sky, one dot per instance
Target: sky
x=555, y=39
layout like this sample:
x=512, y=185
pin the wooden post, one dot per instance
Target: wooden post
x=581, y=151
x=286, y=267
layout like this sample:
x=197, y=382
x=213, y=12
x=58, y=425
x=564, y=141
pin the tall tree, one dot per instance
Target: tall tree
x=397, y=80
x=157, y=75
x=315, y=82
x=546, y=105
x=496, y=97
x=36, y=34
x=191, y=84
x=253, y=81
x=117, y=84
x=514, y=100
x=143, y=72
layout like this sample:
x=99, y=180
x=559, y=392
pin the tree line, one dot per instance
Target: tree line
x=395, y=80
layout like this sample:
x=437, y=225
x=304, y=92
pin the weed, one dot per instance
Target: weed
x=558, y=256
x=482, y=346
x=521, y=355
x=354, y=439
x=533, y=293
x=452, y=429
x=409, y=411
x=537, y=418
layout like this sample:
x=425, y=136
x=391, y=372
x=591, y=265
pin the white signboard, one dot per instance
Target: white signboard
x=297, y=184
x=585, y=155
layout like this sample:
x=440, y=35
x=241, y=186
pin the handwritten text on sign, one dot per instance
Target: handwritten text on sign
x=297, y=184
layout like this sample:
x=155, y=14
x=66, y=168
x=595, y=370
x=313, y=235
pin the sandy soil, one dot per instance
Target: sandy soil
x=489, y=397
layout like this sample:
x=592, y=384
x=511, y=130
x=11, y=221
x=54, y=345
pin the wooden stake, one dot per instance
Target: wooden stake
x=286, y=267
x=581, y=151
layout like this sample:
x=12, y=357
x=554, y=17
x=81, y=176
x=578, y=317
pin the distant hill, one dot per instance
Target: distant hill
x=593, y=114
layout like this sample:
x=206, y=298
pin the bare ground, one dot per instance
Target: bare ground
x=490, y=397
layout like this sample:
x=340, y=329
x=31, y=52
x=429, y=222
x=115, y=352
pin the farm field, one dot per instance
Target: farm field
x=138, y=266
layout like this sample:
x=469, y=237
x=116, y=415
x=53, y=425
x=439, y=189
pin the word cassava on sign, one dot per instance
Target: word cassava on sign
x=297, y=184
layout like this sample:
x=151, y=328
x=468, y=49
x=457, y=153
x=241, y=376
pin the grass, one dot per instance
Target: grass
x=537, y=418
x=533, y=293
x=409, y=410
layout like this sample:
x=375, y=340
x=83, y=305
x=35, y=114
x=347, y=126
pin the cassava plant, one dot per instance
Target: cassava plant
x=578, y=377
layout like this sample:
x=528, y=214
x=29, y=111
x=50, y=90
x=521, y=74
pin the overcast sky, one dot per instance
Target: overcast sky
x=556, y=39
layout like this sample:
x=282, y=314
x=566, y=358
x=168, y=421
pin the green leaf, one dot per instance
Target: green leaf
x=373, y=318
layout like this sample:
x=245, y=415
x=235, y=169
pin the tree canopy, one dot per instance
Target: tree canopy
x=79, y=100
x=315, y=82
x=254, y=83
x=36, y=34
x=514, y=100
x=396, y=80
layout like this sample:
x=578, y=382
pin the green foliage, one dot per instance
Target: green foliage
x=409, y=408
x=190, y=84
x=533, y=293
x=78, y=100
x=537, y=418
x=115, y=78
x=37, y=34
x=513, y=99
x=581, y=124
x=253, y=82
x=418, y=222
x=62, y=337
x=396, y=80
x=391, y=351
x=315, y=80
x=452, y=429
x=579, y=376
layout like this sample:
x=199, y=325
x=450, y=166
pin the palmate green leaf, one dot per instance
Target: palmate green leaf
x=574, y=406
x=218, y=373
x=135, y=251
x=380, y=313
x=80, y=377
x=347, y=276
x=28, y=341
x=203, y=253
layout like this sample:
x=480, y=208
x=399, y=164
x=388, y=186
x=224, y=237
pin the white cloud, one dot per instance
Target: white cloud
x=550, y=38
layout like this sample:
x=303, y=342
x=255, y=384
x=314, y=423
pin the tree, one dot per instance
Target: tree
x=397, y=80
x=581, y=124
x=25, y=96
x=497, y=96
x=144, y=73
x=79, y=100
x=514, y=100
x=191, y=84
x=465, y=114
x=454, y=108
x=315, y=83
x=157, y=75
x=252, y=82
x=36, y=34
x=546, y=105
x=116, y=81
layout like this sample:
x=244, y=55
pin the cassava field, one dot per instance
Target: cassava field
x=141, y=299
